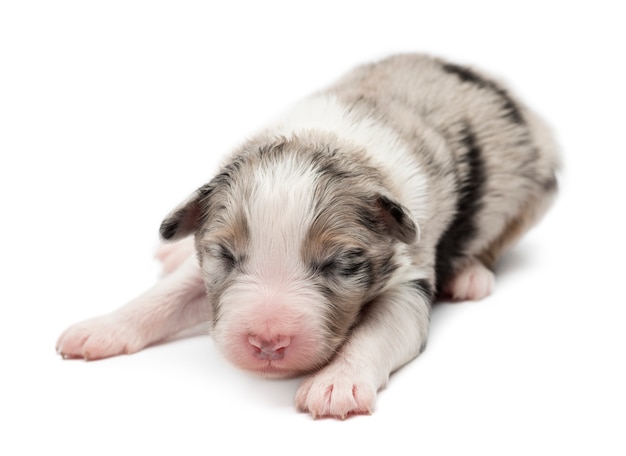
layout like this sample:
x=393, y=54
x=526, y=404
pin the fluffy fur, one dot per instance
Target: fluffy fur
x=323, y=241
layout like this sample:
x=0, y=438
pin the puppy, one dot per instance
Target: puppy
x=319, y=247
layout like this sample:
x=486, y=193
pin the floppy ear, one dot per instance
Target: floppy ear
x=183, y=220
x=397, y=219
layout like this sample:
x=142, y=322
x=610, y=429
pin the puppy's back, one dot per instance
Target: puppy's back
x=495, y=174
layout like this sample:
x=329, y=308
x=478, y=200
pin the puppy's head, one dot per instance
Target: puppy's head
x=294, y=238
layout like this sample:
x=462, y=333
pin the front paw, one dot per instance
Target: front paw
x=98, y=338
x=337, y=391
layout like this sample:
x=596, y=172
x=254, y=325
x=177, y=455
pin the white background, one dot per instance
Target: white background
x=111, y=112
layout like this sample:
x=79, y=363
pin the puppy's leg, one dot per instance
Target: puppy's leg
x=392, y=332
x=475, y=279
x=175, y=303
x=172, y=255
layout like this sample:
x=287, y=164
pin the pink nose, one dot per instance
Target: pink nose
x=269, y=349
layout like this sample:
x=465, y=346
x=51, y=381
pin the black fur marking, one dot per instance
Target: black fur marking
x=463, y=227
x=182, y=222
x=424, y=288
x=509, y=107
x=169, y=227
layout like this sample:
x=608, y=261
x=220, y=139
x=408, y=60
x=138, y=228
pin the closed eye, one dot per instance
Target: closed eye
x=346, y=264
x=224, y=254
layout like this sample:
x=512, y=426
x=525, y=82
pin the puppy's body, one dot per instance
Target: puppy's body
x=323, y=240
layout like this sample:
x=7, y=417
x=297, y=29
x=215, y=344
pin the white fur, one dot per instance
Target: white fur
x=386, y=339
x=281, y=217
x=175, y=303
x=274, y=300
x=325, y=113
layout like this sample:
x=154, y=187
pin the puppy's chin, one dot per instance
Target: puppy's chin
x=274, y=373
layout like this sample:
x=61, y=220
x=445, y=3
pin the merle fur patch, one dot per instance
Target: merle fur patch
x=462, y=229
